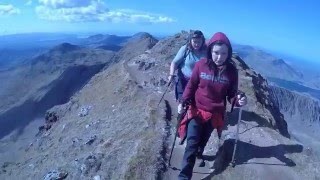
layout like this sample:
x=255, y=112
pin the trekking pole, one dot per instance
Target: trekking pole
x=172, y=147
x=237, y=137
x=180, y=117
x=165, y=91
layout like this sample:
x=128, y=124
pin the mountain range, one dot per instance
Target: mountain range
x=100, y=118
x=278, y=70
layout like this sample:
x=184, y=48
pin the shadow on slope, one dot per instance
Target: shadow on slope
x=111, y=47
x=294, y=86
x=59, y=92
x=247, y=117
x=246, y=152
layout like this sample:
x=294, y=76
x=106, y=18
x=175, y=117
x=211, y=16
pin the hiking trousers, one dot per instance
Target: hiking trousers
x=181, y=83
x=197, y=137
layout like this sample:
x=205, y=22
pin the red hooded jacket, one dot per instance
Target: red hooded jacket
x=210, y=89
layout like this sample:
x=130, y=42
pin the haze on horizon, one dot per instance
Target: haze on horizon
x=286, y=27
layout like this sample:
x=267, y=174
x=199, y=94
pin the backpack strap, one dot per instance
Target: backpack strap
x=186, y=53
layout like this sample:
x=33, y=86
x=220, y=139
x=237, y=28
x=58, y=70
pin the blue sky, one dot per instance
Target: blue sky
x=289, y=27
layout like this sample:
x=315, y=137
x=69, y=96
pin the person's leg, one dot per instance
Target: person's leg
x=180, y=86
x=179, y=92
x=219, y=131
x=180, y=108
x=205, y=136
x=189, y=157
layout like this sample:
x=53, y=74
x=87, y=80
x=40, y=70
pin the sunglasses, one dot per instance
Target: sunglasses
x=197, y=34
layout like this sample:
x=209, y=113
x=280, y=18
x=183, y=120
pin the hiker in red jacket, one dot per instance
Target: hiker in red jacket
x=214, y=81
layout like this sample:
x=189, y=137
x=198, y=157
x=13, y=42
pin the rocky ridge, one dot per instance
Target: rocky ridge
x=113, y=125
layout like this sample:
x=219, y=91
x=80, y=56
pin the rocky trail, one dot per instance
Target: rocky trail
x=262, y=152
x=113, y=128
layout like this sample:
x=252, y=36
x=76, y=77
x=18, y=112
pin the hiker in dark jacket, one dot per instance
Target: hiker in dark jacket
x=214, y=81
x=184, y=61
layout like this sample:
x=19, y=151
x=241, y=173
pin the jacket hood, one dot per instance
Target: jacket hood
x=219, y=36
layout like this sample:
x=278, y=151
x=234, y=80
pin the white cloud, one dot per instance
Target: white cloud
x=67, y=3
x=8, y=10
x=92, y=10
x=28, y=3
x=137, y=17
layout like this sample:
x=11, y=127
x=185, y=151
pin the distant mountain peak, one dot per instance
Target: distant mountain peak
x=141, y=39
x=97, y=36
x=267, y=64
x=65, y=47
x=279, y=62
x=141, y=35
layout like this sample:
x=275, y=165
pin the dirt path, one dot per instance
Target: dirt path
x=261, y=154
x=198, y=172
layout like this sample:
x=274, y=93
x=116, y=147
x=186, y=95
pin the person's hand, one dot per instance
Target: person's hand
x=242, y=99
x=171, y=78
x=186, y=103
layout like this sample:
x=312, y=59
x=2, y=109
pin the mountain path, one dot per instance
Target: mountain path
x=271, y=163
x=253, y=165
